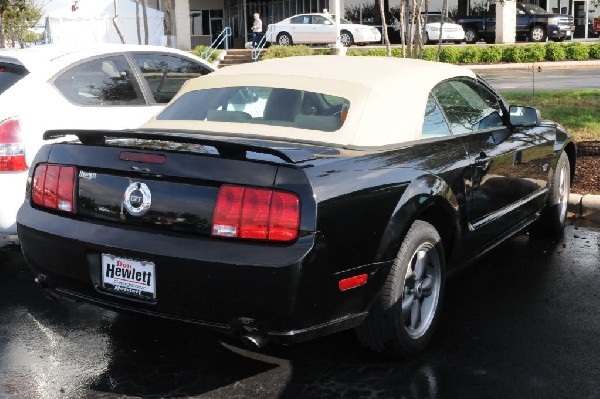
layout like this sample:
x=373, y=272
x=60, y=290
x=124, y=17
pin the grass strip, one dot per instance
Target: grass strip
x=577, y=110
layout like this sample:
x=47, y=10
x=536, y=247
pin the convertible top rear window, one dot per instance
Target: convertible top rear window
x=261, y=105
x=9, y=75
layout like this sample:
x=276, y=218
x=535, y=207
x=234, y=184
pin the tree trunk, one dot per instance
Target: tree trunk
x=1, y=30
x=116, y=23
x=388, y=46
x=403, y=27
x=444, y=12
x=137, y=21
x=145, y=14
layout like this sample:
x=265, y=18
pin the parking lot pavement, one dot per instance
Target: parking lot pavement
x=522, y=322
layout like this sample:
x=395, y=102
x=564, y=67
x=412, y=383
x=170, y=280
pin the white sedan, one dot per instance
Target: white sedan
x=452, y=32
x=319, y=29
x=101, y=87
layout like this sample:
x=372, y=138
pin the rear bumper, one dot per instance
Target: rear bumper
x=284, y=293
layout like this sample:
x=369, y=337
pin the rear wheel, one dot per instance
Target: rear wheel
x=284, y=39
x=471, y=35
x=404, y=318
x=537, y=33
x=554, y=216
x=346, y=38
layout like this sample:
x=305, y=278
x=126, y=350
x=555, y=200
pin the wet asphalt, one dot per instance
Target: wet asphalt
x=522, y=322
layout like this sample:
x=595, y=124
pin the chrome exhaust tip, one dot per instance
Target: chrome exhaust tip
x=254, y=341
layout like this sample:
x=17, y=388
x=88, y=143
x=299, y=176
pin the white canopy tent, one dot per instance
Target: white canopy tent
x=92, y=22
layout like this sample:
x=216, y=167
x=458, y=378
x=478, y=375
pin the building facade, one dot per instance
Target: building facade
x=201, y=21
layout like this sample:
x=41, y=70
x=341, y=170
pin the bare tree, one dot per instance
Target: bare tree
x=145, y=15
x=116, y=22
x=137, y=21
x=388, y=47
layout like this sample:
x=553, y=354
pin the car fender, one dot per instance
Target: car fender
x=426, y=197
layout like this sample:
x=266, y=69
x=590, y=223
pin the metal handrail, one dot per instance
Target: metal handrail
x=259, y=48
x=225, y=33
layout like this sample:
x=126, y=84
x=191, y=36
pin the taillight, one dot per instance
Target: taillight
x=12, y=151
x=253, y=213
x=54, y=187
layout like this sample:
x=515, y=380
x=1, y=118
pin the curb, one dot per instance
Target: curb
x=585, y=205
x=528, y=66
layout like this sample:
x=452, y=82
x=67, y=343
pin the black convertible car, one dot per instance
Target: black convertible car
x=288, y=199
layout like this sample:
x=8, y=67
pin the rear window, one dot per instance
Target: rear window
x=261, y=105
x=9, y=75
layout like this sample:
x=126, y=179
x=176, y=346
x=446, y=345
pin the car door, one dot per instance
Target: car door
x=162, y=74
x=323, y=30
x=299, y=28
x=507, y=179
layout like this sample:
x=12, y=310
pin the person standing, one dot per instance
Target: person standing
x=256, y=30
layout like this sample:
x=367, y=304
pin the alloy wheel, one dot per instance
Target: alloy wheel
x=421, y=292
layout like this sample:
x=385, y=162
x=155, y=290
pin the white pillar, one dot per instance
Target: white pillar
x=183, y=39
x=506, y=21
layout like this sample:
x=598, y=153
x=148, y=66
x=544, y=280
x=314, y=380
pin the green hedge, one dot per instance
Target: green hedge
x=198, y=50
x=492, y=54
x=535, y=52
x=595, y=51
x=577, y=51
x=470, y=55
x=287, y=51
x=555, y=52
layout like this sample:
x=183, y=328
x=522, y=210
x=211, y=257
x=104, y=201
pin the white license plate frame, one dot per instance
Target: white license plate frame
x=132, y=277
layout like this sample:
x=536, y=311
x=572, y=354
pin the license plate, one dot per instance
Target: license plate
x=129, y=276
x=568, y=33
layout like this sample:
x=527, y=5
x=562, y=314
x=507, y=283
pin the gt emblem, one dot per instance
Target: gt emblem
x=137, y=199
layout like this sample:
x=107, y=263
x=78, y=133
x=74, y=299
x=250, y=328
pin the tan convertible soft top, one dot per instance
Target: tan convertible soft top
x=387, y=95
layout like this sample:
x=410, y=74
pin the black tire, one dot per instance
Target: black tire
x=553, y=219
x=471, y=36
x=559, y=39
x=346, y=38
x=457, y=41
x=403, y=319
x=284, y=39
x=537, y=34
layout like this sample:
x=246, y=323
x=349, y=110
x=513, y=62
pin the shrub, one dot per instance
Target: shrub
x=355, y=53
x=430, y=53
x=287, y=51
x=534, y=53
x=470, y=54
x=198, y=50
x=376, y=52
x=595, y=51
x=322, y=51
x=397, y=52
x=555, y=52
x=577, y=51
x=450, y=55
x=492, y=54
x=514, y=54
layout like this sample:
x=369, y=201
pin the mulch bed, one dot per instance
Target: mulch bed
x=587, y=175
x=587, y=168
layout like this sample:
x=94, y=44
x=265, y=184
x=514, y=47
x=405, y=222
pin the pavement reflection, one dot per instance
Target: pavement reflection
x=521, y=322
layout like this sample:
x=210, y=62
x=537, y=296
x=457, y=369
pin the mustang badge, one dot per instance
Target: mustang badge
x=137, y=199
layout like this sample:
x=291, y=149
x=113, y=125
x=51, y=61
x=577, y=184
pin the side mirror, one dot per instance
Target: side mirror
x=524, y=116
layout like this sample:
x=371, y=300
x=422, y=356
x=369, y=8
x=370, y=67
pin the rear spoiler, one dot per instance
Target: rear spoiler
x=228, y=146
